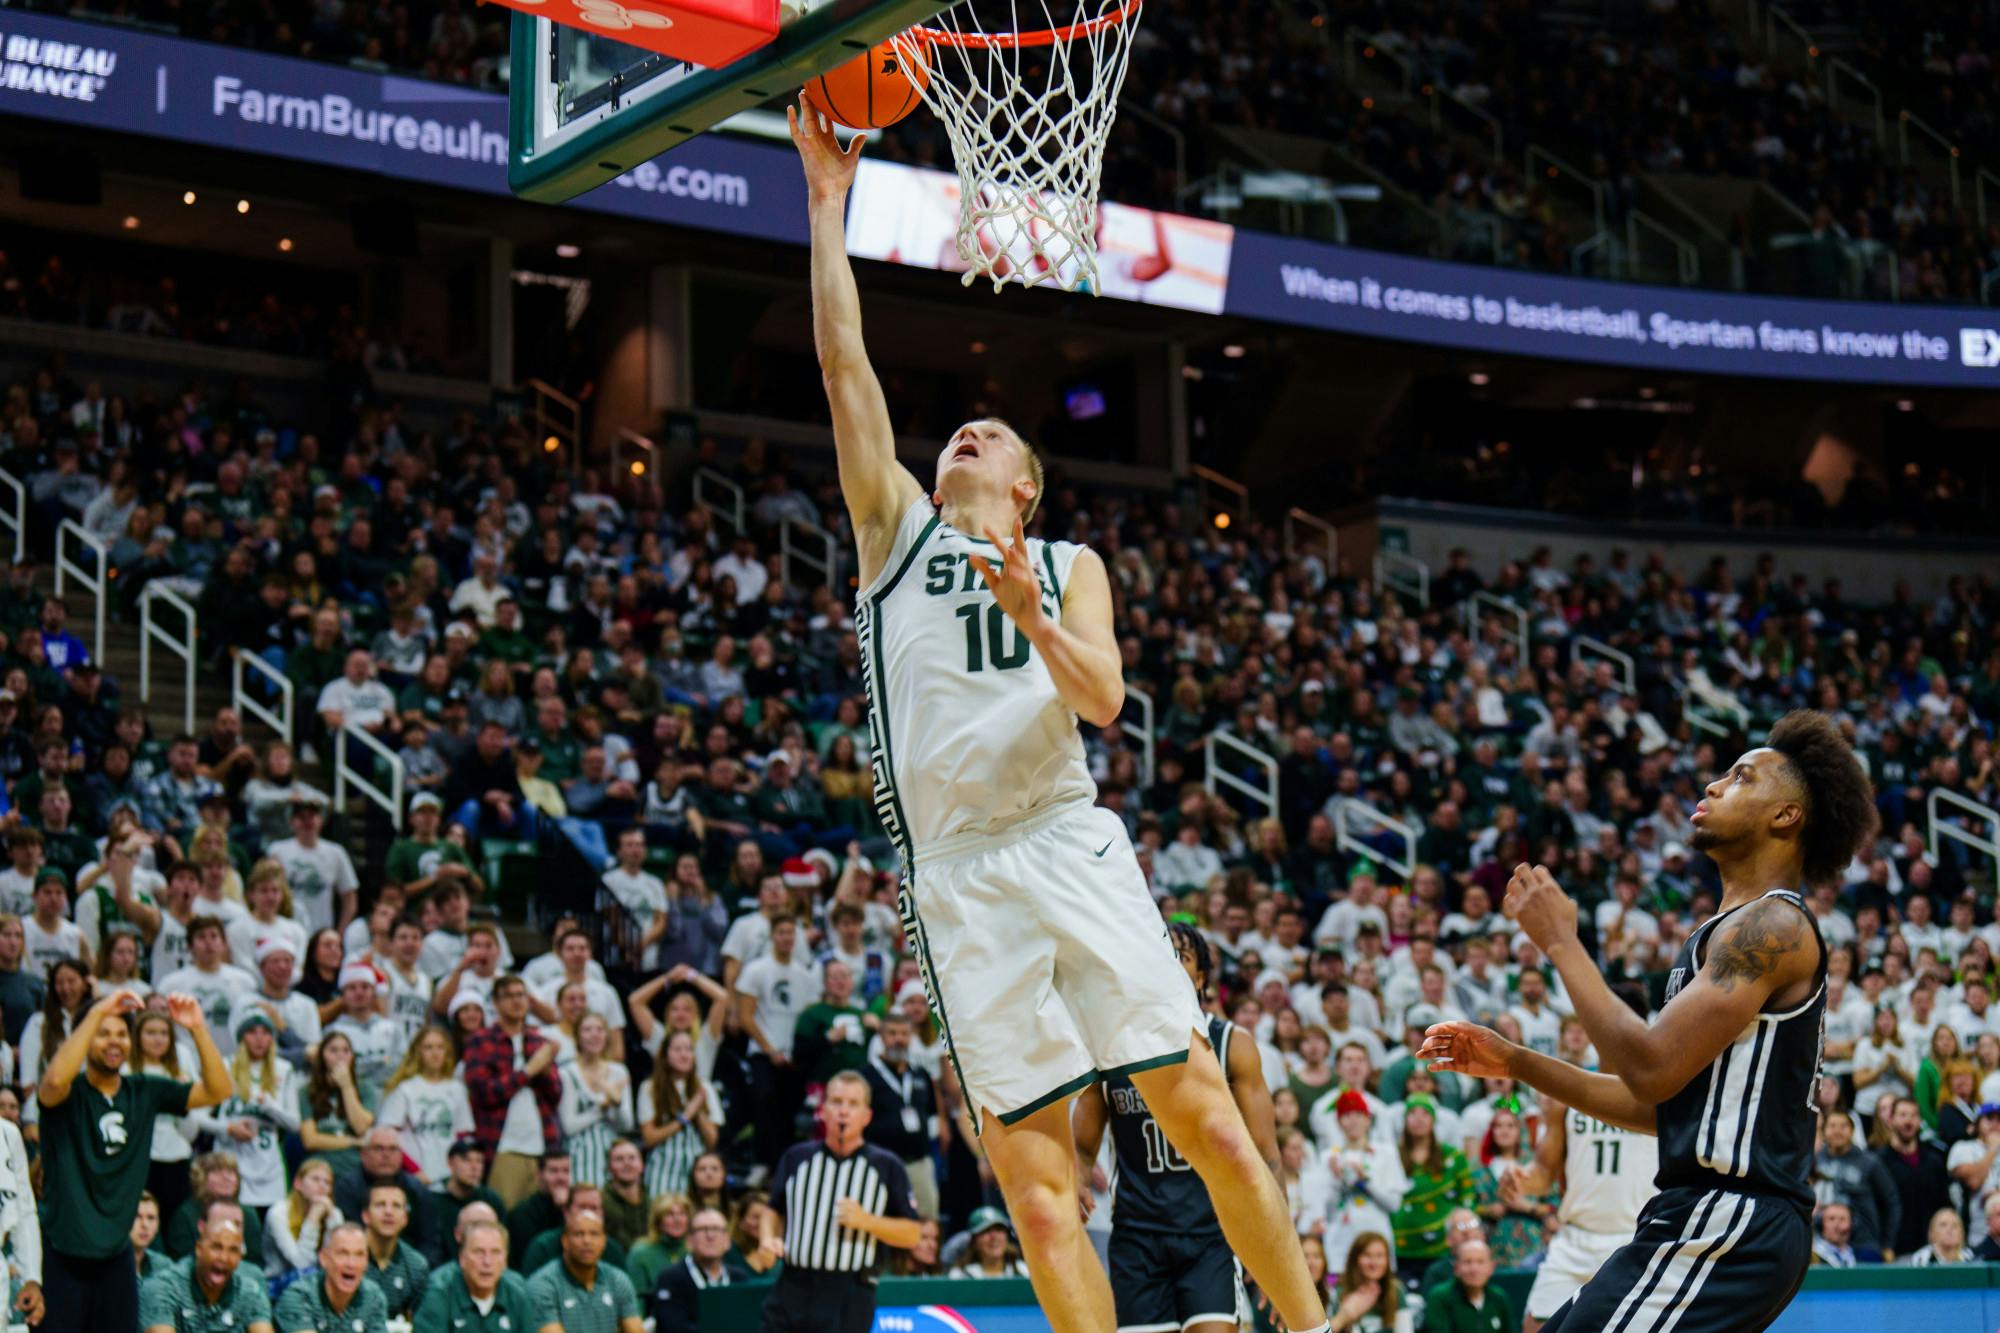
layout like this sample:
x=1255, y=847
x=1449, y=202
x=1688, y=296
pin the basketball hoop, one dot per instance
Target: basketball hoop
x=1028, y=111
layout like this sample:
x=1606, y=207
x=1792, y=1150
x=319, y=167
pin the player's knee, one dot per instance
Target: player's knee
x=1043, y=1218
x=1214, y=1138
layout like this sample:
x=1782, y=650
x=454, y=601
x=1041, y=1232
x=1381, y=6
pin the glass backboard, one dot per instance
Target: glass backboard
x=585, y=109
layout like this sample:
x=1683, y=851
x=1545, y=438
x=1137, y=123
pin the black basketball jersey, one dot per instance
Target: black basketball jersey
x=1745, y=1124
x=1156, y=1189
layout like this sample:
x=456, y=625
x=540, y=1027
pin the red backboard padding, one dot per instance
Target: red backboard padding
x=709, y=33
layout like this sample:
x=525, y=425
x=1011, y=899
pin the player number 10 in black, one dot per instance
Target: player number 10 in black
x=1160, y=1154
x=1601, y=1145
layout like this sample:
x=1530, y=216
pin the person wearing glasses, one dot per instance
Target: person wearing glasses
x=676, y=1304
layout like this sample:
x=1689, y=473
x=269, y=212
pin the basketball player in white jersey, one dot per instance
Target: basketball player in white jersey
x=1605, y=1173
x=1045, y=958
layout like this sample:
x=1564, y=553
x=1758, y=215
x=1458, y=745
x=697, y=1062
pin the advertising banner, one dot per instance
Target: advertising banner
x=1373, y=294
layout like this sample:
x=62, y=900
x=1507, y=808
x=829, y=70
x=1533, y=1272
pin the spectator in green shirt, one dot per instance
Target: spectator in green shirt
x=1467, y=1304
x=1440, y=1181
x=544, y=1249
x=97, y=1135
x=579, y=1294
x=212, y=1291
x=462, y=1188
x=399, y=1271
x=833, y=1032
x=425, y=858
x=339, y=1295
x=478, y=1295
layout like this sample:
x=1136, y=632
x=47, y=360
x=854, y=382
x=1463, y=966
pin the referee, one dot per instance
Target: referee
x=835, y=1201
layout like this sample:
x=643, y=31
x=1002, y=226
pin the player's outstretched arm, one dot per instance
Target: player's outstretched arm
x=1762, y=951
x=1477, y=1052
x=1080, y=650
x=877, y=488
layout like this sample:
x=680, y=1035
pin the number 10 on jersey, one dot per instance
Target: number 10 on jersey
x=984, y=648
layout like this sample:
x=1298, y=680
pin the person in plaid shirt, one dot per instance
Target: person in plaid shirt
x=511, y=1080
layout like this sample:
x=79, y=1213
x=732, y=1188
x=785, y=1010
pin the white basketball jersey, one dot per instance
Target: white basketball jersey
x=1609, y=1175
x=968, y=731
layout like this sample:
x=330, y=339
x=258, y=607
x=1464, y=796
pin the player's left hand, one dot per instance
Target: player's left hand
x=1468, y=1049
x=1539, y=905
x=185, y=1010
x=29, y=1302
x=1014, y=584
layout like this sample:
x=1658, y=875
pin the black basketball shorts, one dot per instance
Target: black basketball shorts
x=1164, y=1281
x=1702, y=1261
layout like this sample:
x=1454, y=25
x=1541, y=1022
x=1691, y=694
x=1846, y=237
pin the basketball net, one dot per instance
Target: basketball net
x=1028, y=112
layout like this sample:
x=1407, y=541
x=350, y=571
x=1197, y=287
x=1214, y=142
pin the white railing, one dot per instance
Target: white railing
x=1206, y=478
x=707, y=479
x=799, y=548
x=1348, y=841
x=1687, y=259
x=1143, y=729
x=97, y=584
x=1583, y=643
x=558, y=417
x=182, y=646
x=1483, y=603
x=1553, y=168
x=363, y=778
x=15, y=515
x=1702, y=722
x=1404, y=574
x=251, y=704
x=1267, y=793
x=1907, y=122
x=1989, y=844
x=1296, y=518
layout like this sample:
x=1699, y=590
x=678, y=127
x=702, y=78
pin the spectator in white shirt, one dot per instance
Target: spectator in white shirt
x=320, y=873
x=640, y=897
x=1337, y=1018
x=1186, y=863
x=1973, y=1015
x=482, y=593
x=1475, y=916
x=1540, y=1024
x=1343, y=921
x=355, y=698
x=743, y=564
x=1622, y=919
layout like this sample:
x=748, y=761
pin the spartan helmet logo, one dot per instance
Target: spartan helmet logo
x=888, y=63
x=111, y=1128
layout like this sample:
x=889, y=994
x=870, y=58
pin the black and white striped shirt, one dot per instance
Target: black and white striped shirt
x=811, y=1181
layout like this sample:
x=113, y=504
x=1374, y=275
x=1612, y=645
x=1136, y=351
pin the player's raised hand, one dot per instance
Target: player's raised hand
x=1468, y=1049
x=829, y=169
x=1537, y=903
x=1014, y=584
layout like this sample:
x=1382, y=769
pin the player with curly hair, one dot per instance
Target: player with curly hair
x=1724, y=1075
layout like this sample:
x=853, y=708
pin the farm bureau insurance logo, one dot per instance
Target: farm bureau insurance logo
x=1979, y=348
x=65, y=70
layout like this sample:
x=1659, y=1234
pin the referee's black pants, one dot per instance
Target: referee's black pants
x=810, y=1301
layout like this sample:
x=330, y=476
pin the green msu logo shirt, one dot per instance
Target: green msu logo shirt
x=96, y=1151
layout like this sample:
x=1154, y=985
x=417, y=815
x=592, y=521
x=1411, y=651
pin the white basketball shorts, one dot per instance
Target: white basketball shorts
x=1048, y=964
x=1574, y=1257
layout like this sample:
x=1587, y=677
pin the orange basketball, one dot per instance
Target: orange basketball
x=872, y=90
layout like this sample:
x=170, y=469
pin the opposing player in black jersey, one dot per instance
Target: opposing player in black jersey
x=1171, y=1268
x=1724, y=1076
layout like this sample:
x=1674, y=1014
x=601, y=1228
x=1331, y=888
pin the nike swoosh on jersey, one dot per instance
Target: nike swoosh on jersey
x=1102, y=850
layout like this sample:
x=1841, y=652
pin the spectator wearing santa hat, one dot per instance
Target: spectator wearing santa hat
x=1368, y=1179
x=293, y=1014
x=376, y=1039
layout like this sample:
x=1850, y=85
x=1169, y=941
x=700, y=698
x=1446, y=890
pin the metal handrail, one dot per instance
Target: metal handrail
x=250, y=705
x=1939, y=829
x=1703, y=723
x=637, y=444
x=183, y=648
x=1482, y=602
x=1979, y=179
x=97, y=584
x=555, y=434
x=1583, y=643
x=1777, y=16
x=345, y=773
x=1206, y=477
x=1905, y=122
x=1353, y=39
x=1348, y=842
x=824, y=562
x=1439, y=96
x=15, y=516
x=1835, y=69
x=1604, y=240
x=708, y=476
x=1687, y=258
x=1392, y=565
x=1146, y=732
x=1556, y=168
x=1213, y=772
x=1296, y=516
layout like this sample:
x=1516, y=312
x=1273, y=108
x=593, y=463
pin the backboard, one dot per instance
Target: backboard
x=584, y=109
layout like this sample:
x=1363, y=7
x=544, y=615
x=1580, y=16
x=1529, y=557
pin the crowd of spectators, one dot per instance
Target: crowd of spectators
x=615, y=678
